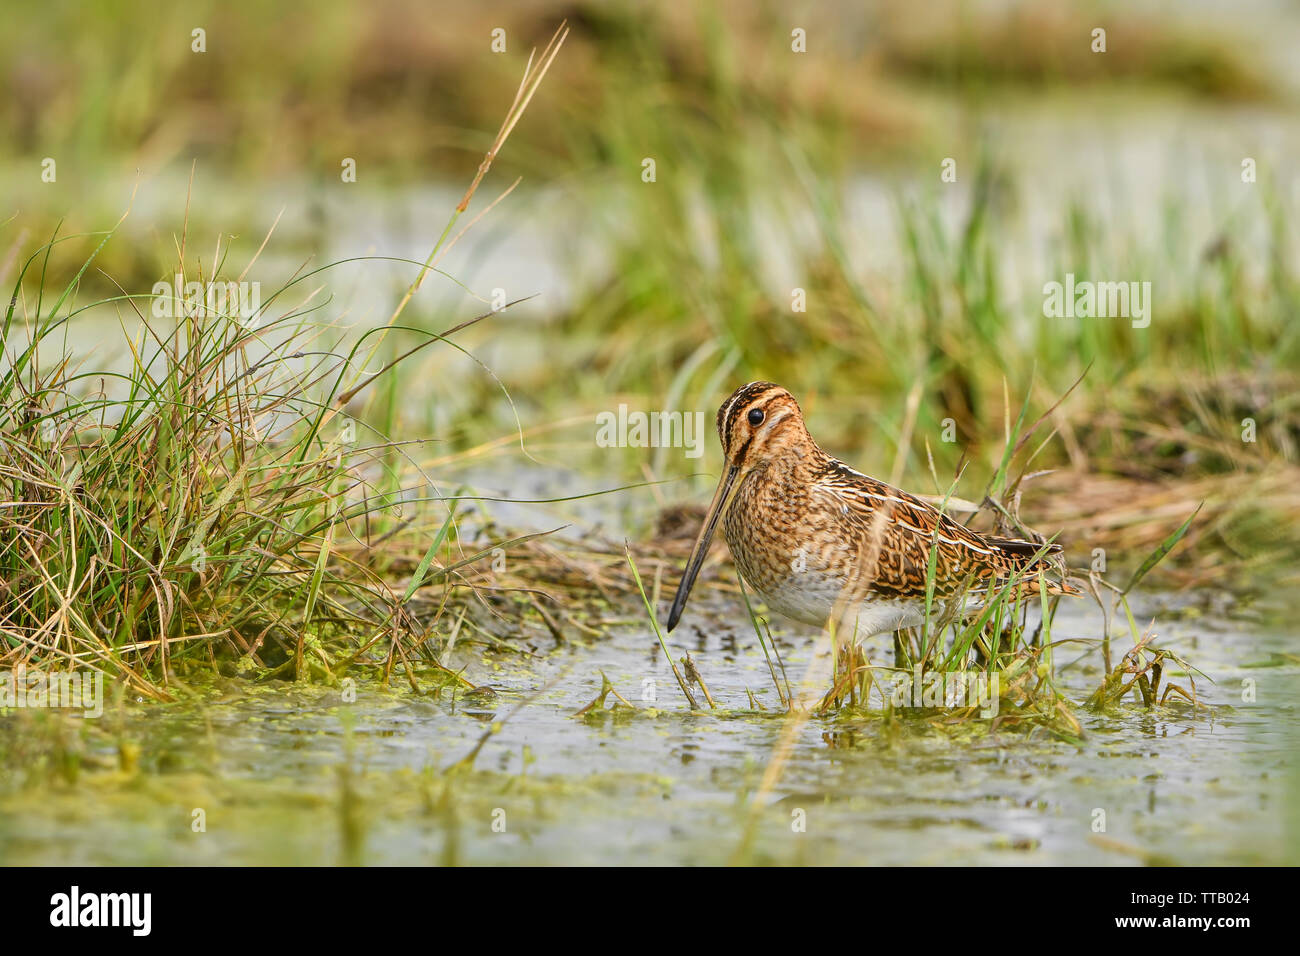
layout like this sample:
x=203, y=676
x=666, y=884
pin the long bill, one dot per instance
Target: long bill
x=701, y=549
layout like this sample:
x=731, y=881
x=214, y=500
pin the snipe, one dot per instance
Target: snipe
x=818, y=540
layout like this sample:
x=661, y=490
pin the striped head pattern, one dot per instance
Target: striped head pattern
x=760, y=421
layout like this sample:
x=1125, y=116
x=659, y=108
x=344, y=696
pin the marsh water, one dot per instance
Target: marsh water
x=284, y=773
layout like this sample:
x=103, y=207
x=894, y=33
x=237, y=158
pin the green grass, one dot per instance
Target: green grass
x=215, y=499
x=112, y=92
x=209, y=501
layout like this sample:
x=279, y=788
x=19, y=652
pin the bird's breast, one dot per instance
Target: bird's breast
x=786, y=548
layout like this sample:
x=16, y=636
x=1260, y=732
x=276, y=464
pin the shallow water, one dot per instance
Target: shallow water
x=663, y=785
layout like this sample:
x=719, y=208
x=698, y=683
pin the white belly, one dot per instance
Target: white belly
x=812, y=598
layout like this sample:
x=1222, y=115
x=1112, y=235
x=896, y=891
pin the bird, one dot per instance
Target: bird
x=824, y=544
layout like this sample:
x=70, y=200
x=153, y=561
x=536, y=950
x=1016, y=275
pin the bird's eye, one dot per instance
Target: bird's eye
x=756, y=416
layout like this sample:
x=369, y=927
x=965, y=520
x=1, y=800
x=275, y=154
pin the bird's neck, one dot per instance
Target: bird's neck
x=797, y=461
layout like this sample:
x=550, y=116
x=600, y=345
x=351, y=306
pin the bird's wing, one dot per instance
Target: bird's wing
x=895, y=532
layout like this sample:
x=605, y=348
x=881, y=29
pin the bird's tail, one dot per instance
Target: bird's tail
x=1025, y=556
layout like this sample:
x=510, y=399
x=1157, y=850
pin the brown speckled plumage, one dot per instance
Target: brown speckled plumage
x=816, y=538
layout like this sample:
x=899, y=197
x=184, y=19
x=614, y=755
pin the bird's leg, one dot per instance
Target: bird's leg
x=843, y=656
x=857, y=670
x=841, y=671
x=854, y=660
